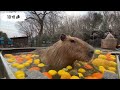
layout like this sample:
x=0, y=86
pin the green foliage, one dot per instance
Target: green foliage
x=4, y=35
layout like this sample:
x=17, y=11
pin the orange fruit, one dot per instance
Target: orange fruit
x=87, y=66
x=34, y=68
x=98, y=75
x=28, y=58
x=47, y=74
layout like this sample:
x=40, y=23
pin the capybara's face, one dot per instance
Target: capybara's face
x=76, y=48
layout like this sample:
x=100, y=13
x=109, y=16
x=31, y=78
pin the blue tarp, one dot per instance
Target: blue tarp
x=10, y=41
x=1, y=38
x=1, y=41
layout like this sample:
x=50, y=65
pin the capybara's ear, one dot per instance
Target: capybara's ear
x=63, y=37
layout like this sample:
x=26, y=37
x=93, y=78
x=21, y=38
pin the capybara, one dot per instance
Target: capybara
x=65, y=51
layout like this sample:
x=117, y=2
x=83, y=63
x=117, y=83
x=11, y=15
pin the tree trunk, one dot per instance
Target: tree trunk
x=40, y=34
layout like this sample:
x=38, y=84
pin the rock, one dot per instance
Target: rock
x=35, y=75
x=109, y=75
x=109, y=36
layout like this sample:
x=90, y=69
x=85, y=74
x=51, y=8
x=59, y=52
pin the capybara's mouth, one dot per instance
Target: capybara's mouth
x=86, y=59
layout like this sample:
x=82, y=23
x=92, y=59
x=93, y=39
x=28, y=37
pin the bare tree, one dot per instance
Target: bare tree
x=52, y=23
x=39, y=22
x=26, y=29
x=39, y=17
x=48, y=25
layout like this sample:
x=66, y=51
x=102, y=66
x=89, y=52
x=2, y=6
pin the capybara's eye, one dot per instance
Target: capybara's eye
x=72, y=41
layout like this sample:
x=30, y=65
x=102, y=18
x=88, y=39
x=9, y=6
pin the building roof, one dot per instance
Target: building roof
x=18, y=37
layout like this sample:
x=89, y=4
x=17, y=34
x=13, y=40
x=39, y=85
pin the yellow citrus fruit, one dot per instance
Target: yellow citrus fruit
x=41, y=65
x=52, y=72
x=10, y=60
x=74, y=77
x=26, y=64
x=97, y=51
x=81, y=70
x=65, y=69
x=23, y=56
x=112, y=64
x=66, y=75
x=112, y=58
x=37, y=61
x=15, y=64
x=20, y=76
x=29, y=61
x=60, y=72
x=102, y=69
x=102, y=56
x=8, y=55
x=21, y=66
x=80, y=75
x=34, y=55
x=69, y=67
x=112, y=69
x=18, y=72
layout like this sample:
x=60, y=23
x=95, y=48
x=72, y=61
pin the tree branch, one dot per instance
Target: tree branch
x=31, y=18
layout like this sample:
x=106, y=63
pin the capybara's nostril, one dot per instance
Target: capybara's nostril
x=90, y=53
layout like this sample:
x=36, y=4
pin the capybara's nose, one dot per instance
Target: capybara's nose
x=90, y=53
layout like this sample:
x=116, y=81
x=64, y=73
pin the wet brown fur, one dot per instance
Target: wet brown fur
x=64, y=53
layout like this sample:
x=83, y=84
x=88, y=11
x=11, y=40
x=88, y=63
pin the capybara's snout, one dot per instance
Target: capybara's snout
x=90, y=53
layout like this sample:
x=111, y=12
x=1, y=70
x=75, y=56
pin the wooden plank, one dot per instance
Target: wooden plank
x=116, y=51
x=1, y=69
x=22, y=48
x=118, y=65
